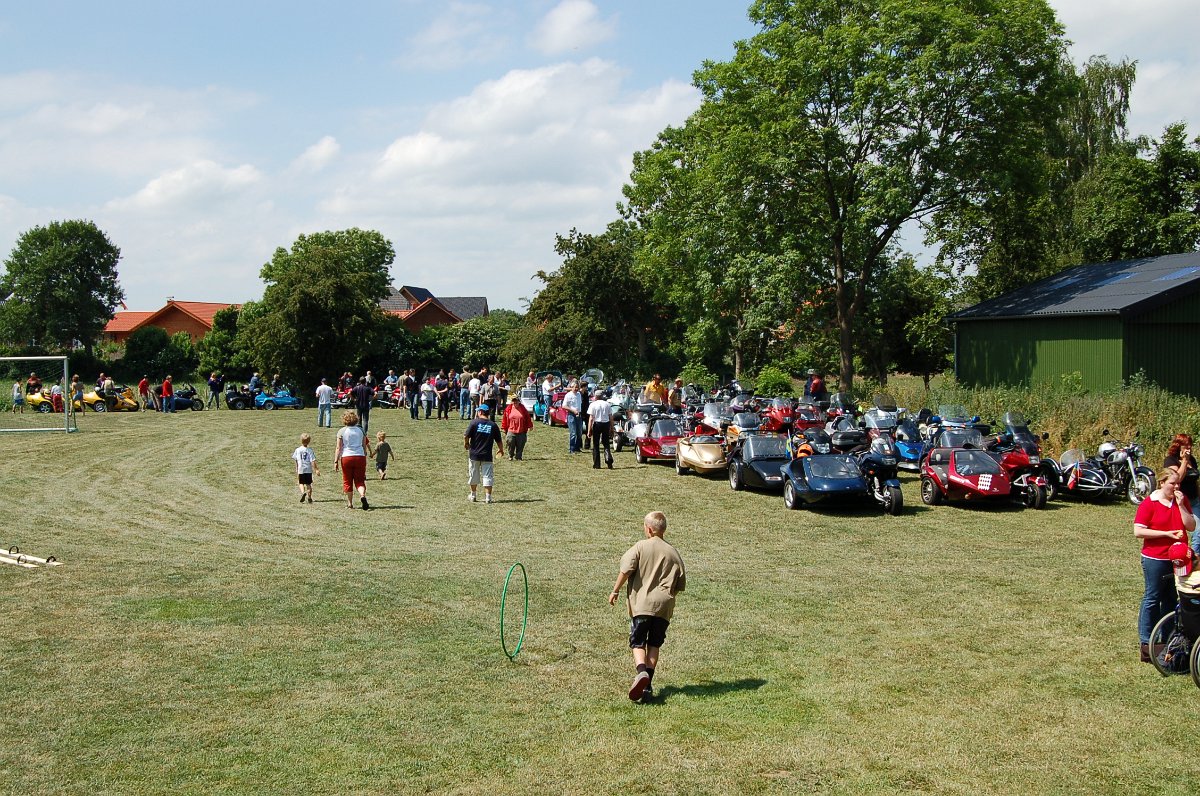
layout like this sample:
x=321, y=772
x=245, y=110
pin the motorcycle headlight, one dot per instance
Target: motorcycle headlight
x=1035, y=460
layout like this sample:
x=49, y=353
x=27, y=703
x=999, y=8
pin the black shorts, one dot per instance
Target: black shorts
x=304, y=478
x=647, y=631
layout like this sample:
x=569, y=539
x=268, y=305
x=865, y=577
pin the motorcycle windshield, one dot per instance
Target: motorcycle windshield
x=907, y=430
x=975, y=463
x=841, y=400
x=961, y=438
x=746, y=420
x=831, y=467
x=953, y=412
x=885, y=402
x=879, y=419
x=780, y=403
x=770, y=447
x=665, y=427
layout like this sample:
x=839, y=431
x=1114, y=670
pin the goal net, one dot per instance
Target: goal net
x=35, y=395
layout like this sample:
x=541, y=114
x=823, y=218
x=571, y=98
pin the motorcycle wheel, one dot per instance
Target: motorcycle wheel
x=99, y=406
x=1034, y=497
x=893, y=500
x=930, y=494
x=679, y=468
x=1140, y=488
x=735, y=476
x=238, y=404
x=197, y=406
x=790, y=498
x=44, y=408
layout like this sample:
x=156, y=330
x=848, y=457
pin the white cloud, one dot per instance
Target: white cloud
x=196, y=183
x=464, y=33
x=317, y=156
x=1159, y=35
x=572, y=25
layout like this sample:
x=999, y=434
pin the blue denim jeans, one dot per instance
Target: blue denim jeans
x=324, y=415
x=574, y=433
x=1159, y=597
x=464, y=403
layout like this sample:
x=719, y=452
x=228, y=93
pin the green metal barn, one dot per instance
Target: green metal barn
x=1107, y=321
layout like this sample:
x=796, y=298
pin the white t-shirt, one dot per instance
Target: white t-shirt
x=352, y=441
x=427, y=391
x=305, y=458
x=473, y=387
x=547, y=387
x=573, y=401
x=324, y=394
x=600, y=411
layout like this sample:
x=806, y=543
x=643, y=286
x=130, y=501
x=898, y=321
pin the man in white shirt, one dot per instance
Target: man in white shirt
x=547, y=395
x=473, y=393
x=600, y=429
x=324, y=405
x=573, y=403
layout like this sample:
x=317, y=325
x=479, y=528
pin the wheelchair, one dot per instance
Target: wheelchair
x=1185, y=618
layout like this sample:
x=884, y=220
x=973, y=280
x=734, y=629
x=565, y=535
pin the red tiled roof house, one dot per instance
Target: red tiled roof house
x=193, y=317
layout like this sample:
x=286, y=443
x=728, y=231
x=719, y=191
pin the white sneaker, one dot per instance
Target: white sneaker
x=487, y=499
x=471, y=497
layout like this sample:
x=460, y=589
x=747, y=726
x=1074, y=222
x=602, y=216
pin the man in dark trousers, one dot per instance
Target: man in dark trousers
x=363, y=394
x=600, y=429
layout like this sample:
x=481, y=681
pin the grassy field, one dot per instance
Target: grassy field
x=209, y=634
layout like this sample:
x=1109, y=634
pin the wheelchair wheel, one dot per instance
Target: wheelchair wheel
x=1158, y=640
x=1194, y=663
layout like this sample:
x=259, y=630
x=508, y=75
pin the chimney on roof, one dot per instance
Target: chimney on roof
x=170, y=299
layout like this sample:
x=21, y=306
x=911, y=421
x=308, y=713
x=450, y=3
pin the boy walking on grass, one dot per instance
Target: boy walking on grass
x=382, y=451
x=653, y=573
x=478, y=439
x=306, y=465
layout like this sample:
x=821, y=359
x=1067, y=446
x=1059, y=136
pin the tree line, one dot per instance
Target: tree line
x=776, y=227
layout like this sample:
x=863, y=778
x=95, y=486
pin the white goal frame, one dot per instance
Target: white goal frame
x=69, y=424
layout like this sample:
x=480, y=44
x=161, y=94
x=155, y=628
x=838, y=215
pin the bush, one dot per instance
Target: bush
x=1073, y=418
x=773, y=381
x=698, y=374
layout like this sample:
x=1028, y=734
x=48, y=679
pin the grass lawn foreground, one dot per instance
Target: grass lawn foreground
x=209, y=634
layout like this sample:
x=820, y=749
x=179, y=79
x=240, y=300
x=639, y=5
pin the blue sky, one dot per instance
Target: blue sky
x=469, y=133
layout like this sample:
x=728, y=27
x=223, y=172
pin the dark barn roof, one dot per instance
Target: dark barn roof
x=1125, y=288
x=466, y=307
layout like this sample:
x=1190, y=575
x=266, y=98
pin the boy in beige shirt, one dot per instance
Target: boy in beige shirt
x=654, y=573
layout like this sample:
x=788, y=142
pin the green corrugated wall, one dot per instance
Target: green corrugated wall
x=1163, y=343
x=1029, y=350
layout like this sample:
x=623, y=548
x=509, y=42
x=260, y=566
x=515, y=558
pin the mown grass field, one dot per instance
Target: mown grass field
x=209, y=634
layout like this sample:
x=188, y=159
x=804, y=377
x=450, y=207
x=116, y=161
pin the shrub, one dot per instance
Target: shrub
x=773, y=381
x=698, y=374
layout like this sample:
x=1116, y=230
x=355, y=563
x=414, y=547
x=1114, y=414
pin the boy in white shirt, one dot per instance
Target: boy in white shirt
x=306, y=465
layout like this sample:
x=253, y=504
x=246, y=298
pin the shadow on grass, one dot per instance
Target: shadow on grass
x=712, y=688
x=520, y=500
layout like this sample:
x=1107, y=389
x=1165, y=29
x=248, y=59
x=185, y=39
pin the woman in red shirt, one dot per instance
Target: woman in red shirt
x=1163, y=518
x=517, y=423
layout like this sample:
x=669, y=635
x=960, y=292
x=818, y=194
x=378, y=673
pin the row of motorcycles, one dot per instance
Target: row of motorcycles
x=957, y=456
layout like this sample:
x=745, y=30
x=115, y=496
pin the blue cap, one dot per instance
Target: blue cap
x=484, y=408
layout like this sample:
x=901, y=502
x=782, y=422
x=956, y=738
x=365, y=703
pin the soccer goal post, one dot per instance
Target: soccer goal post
x=43, y=410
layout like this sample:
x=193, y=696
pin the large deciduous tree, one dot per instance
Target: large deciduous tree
x=843, y=121
x=61, y=285
x=320, y=310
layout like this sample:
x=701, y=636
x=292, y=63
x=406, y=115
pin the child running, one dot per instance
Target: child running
x=382, y=451
x=306, y=465
x=652, y=573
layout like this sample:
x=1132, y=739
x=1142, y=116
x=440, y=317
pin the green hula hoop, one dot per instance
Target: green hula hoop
x=525, y=617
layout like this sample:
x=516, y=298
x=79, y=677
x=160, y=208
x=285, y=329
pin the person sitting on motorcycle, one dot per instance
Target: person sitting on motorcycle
x=675, y=397
x=655, y=391
x=255, y=385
